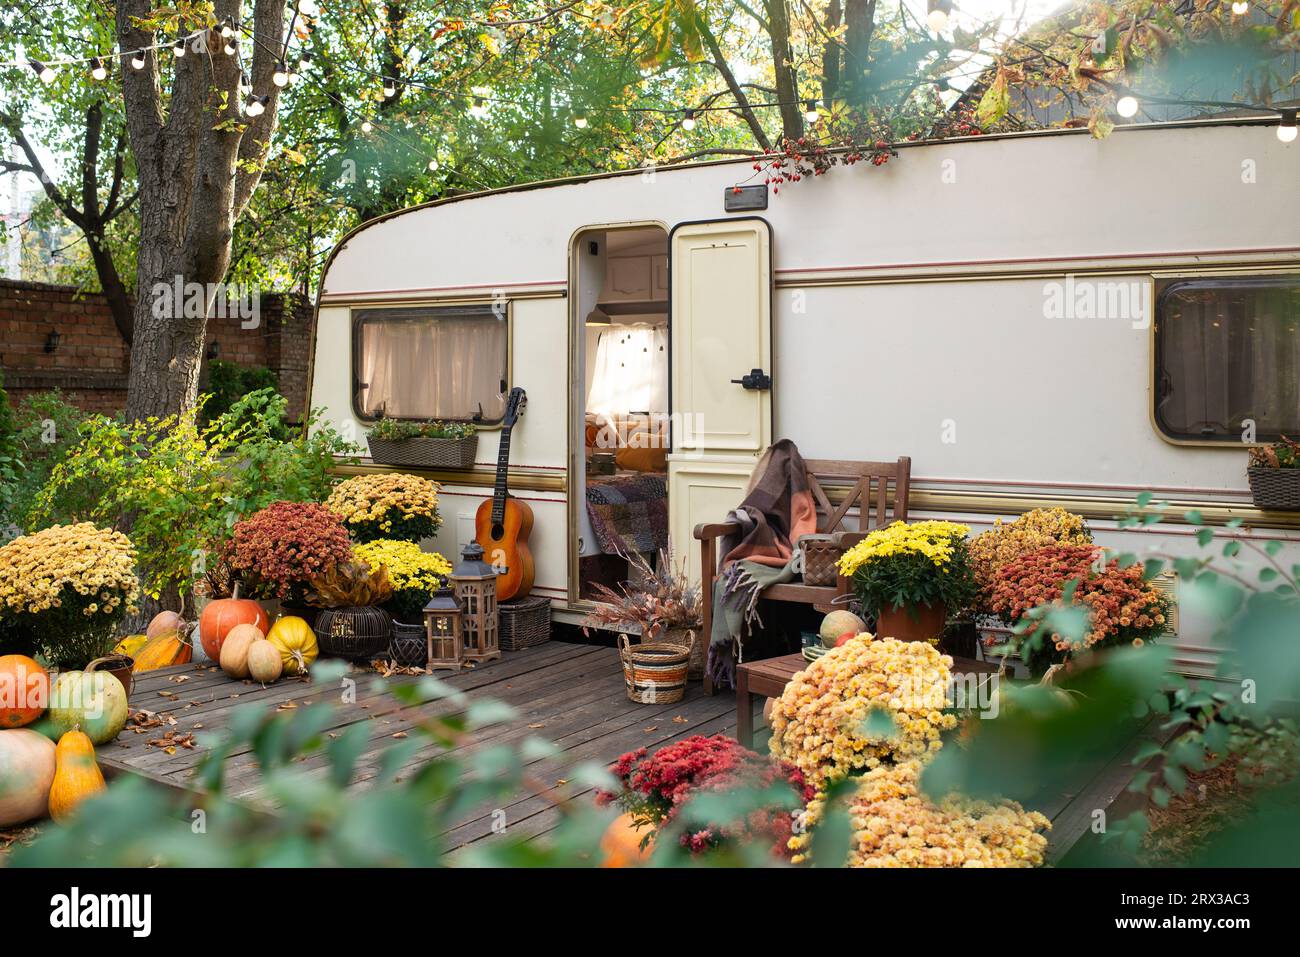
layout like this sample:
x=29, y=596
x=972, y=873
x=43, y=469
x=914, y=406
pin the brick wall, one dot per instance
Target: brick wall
x=90, y=361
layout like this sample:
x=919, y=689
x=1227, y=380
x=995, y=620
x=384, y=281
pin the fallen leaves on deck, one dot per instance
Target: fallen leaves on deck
x=170, y=741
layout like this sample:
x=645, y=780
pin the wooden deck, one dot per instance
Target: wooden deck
x=570, y=694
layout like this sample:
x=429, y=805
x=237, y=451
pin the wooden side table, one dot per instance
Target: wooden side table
x=769, y=677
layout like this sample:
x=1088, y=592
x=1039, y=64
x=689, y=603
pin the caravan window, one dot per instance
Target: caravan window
x=431, y=362
x=1228, y=355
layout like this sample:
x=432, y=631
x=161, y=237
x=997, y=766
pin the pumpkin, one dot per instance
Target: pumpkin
x=234, y=650
x=164, y=622
x=169, y=648
x=620, y=845
x=264, y=661
x=296, y=643
x=130, y=645
x=223, y=614
x=24, y=690
x=76, y=775
x=95, y=701
x=836, y=624
x=26, y=773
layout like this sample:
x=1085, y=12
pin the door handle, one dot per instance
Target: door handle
x=755, y=379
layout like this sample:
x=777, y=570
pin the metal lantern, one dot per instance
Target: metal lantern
x=443, y=631
x=475, y=582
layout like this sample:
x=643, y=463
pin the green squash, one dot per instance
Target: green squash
x=93, y=700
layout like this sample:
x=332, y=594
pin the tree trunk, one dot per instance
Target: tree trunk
x=197, y=168
x=860, y=26
x=787, y=85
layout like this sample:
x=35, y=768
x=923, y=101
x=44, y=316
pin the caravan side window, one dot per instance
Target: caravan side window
x=438, y=362
x=1227, y=354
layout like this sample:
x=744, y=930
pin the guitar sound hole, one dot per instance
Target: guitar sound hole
x=498, y=531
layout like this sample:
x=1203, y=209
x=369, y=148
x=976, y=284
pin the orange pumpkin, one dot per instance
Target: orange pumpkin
x=620, y=846
x=24, y=690
x=169, y=648
x=223, y=614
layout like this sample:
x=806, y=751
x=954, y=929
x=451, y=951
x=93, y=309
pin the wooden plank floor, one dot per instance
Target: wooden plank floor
x=569, y=694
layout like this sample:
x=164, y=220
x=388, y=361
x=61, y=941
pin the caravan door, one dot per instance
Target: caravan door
x=720, y=328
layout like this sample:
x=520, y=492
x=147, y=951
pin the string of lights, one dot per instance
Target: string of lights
x=287, y=72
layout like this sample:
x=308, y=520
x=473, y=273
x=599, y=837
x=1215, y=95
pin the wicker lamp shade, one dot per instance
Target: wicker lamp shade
x=475, y=584
x=443, y=634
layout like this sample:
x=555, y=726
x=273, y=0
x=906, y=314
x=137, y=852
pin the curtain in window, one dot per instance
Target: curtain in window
x=433, y=363
x=631, y=373
x=1229, y=352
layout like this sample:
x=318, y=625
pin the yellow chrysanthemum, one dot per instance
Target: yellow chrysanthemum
x=932, y=539
x=93, y=562
x=409, y=568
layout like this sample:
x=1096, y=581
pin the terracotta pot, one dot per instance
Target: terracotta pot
x=119, y=666
x=912, y=622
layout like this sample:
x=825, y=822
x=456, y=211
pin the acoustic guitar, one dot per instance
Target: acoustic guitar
x=502, y=524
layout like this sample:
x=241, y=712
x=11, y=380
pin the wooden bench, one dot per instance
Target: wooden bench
x=879, y=490
x=768, y=678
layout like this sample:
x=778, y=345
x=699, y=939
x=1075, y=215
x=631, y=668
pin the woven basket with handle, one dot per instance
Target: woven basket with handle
x=654, y=673
x=821, y=555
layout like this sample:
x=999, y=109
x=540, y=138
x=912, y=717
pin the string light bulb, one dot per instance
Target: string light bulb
x=232, y=46
x=1127, y=106
x=308, y=8
x=137, y=60
x=810, y=113
x=366, y=126
x=580, y=121
x=98, y=71
x=1286, y=126
x=281, y=75
x=688, y=120
x=227, y=28
x=479, y=109
x=178, y=48
x=1240, y=8
x=390, y=88
x=433, y=166
x=937, y=13
x=257, y=105
x=43, y=70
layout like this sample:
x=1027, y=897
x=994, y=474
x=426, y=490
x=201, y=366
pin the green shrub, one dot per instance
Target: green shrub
x=45, y=428
x=228, y=383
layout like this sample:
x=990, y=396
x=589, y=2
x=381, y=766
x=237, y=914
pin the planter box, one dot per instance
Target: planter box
x=425, y=453
x=1276, y=490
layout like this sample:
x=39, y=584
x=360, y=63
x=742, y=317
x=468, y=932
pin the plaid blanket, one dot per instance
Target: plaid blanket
x=777, y=509
x=629, y=513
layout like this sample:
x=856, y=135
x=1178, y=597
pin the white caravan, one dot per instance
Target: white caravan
x=1036, y=319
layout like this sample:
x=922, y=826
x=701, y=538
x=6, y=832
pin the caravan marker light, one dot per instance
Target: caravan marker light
x=1127, y=106
x=1286, y=127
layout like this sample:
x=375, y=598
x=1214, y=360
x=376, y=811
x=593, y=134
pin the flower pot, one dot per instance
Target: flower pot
x=423, y=452
x=119, y=666
x=408, y=647
x=912, y=622
x=1274, y=490
x=307, y=613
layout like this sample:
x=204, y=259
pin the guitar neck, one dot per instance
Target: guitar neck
x=503, y=467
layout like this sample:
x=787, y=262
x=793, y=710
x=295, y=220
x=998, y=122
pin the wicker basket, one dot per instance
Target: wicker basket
x=525, y=622
x=409, y=646
x=360, y=632
x=1275, y=490
x=694, y=639
x=654, y=673
x=820, y=555
x=425, y=452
